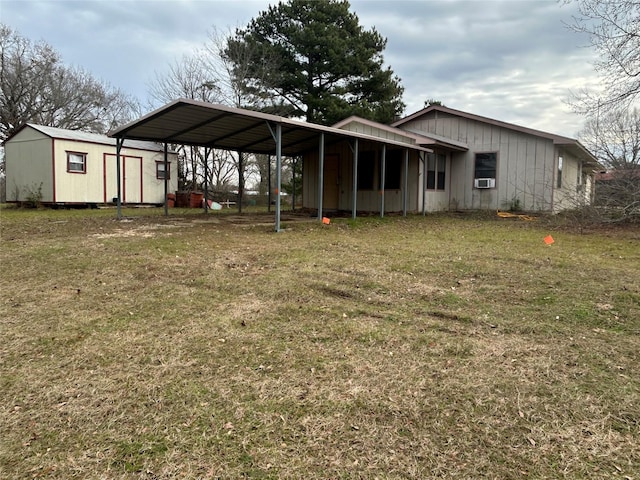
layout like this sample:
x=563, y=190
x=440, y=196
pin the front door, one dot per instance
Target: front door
x=331, y=187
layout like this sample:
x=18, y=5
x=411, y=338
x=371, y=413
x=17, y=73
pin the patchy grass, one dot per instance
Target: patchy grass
x=211, y=347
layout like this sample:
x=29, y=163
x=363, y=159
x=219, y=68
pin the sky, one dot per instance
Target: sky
x=511, y=60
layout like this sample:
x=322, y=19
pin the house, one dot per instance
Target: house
x=477, y=163
x=68, y=167
x=436, y=159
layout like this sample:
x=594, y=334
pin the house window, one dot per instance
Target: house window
x=393, y=169
x=436, y=171
x=579, y=178
x=160, y=173
x=76, y=162
x=366, y=170
x=560, y=162
x=431, y=171
x=441, y=172
x=486, y=165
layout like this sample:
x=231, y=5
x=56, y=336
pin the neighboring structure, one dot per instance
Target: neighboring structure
x=619, y=189
x=68, y=167
x=477, y=164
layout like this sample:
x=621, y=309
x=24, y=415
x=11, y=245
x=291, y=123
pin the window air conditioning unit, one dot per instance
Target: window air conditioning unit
x=485, y=182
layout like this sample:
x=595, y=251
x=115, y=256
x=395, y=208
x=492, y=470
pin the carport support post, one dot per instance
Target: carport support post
x=269, y=182
x=119, y=142
x=405, y=193
x=355, y=179
x=424, y=183
x=293, y=183
x=240, y=180
x=320, y=175
x=383, y=169
x=278, y=172
x=166, y=180
x=206, y=179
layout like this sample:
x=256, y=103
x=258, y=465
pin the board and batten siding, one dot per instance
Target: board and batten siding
x=525, y=163
x=435, y=200
x=570, y=194
x=365, y=129
x=367, y=200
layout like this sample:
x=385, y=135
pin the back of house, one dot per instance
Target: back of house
x=484, y=164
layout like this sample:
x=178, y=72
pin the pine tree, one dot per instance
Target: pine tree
x=314, y=60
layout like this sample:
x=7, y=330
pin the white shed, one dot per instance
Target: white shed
x=69, y=167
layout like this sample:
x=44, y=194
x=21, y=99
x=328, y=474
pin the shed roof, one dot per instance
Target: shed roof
x=80, y=136
x=191, y=122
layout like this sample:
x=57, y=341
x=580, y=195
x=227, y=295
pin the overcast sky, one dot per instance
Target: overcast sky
x=512, y=60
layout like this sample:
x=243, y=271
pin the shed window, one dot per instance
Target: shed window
x=160, y=173
x=486, y=164
x=76, y=162
x=436, y=171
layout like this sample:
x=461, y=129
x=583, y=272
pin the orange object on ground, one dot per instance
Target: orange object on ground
x=548, y=240
x=326, y=221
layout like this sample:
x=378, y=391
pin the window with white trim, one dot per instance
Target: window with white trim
x=579, y=175
x=436, y=171
x=560, y=165
x=160, y=173
x=76, y=162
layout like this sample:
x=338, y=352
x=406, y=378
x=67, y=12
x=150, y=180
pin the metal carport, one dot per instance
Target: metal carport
x=212, y=126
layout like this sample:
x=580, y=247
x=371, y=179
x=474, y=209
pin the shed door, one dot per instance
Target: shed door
x=331, y=188
x=131, y=171
x=132, y=185
x=109, y=177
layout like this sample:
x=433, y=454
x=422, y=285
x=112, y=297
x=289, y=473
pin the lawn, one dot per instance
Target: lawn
x=198, y=347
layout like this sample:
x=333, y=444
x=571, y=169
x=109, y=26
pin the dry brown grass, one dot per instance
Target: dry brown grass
x=212, y=347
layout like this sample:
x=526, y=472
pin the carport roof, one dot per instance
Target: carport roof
x=191, y=122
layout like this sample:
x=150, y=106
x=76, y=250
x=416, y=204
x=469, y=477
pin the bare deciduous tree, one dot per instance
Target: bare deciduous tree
x=35, y=86
x=614, y=32
x=187, y=77
x=207, y=75
x=614, y=138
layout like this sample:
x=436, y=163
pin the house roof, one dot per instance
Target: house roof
x=413, y=136
x=191, y=122
x=80, y=136
x=571, y=144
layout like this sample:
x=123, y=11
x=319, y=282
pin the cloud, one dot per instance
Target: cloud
x=511, y=60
